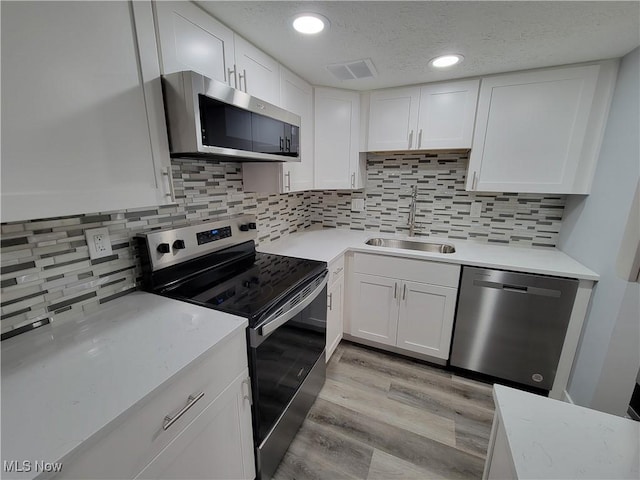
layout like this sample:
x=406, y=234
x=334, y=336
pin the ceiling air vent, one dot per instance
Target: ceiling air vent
x=356, y=69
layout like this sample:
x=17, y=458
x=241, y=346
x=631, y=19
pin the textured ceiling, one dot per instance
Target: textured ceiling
x=401, y=37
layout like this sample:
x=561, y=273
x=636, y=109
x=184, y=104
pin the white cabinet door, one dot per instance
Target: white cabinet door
x=447, y=114
x=191, y=39
x=393, y=115
x=530, y=130
x=337, y=117
x=258, y=73
x=334, y=315
x=296, y=96
x=217, y=444
x=82, y=121
x=426, y=318
x=374, y=314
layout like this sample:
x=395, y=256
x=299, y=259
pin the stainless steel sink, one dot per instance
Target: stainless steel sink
x=409, y=245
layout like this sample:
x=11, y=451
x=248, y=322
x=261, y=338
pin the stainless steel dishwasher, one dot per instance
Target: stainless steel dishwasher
x=512, y=325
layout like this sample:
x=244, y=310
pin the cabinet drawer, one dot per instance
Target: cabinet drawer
x=336, y=269
x=138, y=435
x=435, y=273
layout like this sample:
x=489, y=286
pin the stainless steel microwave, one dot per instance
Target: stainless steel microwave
x=208, y=119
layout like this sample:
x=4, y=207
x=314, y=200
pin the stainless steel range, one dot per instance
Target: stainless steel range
x=215, y=265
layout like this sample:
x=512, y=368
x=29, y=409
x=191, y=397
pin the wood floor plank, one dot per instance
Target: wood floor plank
x=472, y=421
x=416, y=420
x=388, y=467
x=330, y=453
x=357, y=376
x=394, y=367
x=435, y=457
x=381, y=416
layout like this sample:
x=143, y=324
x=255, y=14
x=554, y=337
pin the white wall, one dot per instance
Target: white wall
x=609, y=353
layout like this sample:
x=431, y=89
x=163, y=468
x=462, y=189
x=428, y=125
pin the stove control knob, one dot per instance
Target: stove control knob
x=244, y=227
x=164, y=248
x=252, y=226
x=179, y=245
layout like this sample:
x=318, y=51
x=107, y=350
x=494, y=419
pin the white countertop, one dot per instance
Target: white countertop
x=328, y=244
x=550, y=439
x=63, y=384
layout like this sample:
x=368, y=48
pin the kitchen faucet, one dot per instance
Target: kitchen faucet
x=412, y=210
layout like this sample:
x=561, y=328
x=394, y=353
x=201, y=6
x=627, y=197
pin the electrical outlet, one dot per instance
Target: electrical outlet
x=476, y=209
x=98, y=242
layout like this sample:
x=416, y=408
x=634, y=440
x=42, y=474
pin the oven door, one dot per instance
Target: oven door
x=283, y=349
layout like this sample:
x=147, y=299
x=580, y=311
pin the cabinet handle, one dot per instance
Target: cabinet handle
x=404, y=291
x=243, y=76
x=288, y=184
x=331, y=301
x=395, y=290
x=281, y=144
x=410, y=138
x=338, y=270
x=166, y=172
x=420, y=138
x=474, y=182
x=235, y=79
x=288, y=142
x=248, y=395
x=168, y=420
x=353, y=180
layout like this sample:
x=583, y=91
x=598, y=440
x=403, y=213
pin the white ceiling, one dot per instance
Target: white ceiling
x=401, y=37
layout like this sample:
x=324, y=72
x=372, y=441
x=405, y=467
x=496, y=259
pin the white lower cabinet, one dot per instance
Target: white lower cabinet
x=216, y=444
x=403, y=303
x=335, y=305
x=211, y=436
x=425, y=319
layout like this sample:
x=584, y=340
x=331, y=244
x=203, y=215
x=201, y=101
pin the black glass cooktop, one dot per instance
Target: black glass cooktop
x=248, y=287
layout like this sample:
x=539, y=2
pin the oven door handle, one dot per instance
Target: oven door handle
x=272, y=324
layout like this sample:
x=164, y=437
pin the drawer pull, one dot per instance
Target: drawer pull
x=168, y=421
x=331, y=301
x=338, y=270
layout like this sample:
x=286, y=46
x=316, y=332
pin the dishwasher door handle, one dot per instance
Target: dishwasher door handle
x=524, y=289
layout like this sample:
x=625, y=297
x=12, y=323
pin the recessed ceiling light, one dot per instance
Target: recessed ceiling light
x=444, y=61
x=309, y=23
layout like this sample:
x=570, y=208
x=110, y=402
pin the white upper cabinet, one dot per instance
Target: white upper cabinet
x=446, y=116
x=438, y=116
x=191, y=39
x=283, y=177
x=393, y=115
x=337, y=118
x=257, y=73
x=83, y=126
x=540, y=131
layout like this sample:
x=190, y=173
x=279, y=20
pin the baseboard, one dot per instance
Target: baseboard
x=567, y=398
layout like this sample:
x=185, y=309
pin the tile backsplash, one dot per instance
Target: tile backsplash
x=46, y=272
x=443, y=206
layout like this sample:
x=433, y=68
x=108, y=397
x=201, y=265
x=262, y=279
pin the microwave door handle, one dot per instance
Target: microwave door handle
x=273, y=323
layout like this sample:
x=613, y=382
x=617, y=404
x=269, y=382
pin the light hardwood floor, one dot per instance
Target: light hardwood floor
x=383, y=417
